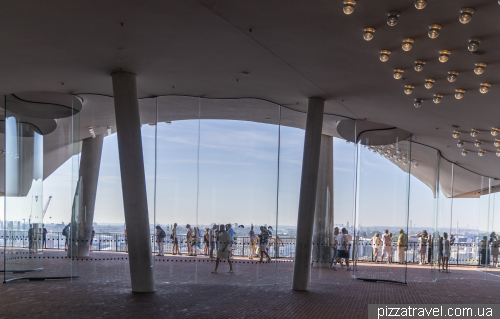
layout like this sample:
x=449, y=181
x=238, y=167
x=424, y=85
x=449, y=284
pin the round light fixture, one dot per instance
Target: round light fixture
x=349, y=6
x=408, y=89
x=444, y=55
x=434, y=30
x=398, y=151
x=481, y=152
x=460, y=143
x=456, y=134
x=429, y=83
x=498, y=151
x=452, y=76
x=496, y=143
x=466, y=15
x=474, y=44
x=393, y=16
x=494, y=131
x=418, y=103
x=485, y=87
x=368, y=33
x=419, y=65
x=398, y=73
x=459, y=93
x=420, y=4
x=479, y=69
x=384, y=55
x=437, y=98
x=474, y=132
x=464, y=152
x=478, y=143
x=407, y=44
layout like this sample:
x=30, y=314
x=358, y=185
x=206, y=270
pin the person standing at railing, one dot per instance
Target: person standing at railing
x=175, y=241
x=206, y=241
x=30, y=239
x=387, y=248
x=224, y=240
x=402, y=246
x=160, y=239
x=213, y=239
x=92, y=238
x=263, y=240
x=189, y=234
x=447, y=251
x=495, y=249
x=230, y=230
x=277, y=243
x=194, y=242
x=252, y=239
x=334, y=244
x=376, y=244
x=422, y=245
x=126, y=242
x=440, y=253
x=44, y=236
x=65, y=233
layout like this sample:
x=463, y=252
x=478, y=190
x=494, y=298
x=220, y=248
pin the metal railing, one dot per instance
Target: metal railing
x=460, y=253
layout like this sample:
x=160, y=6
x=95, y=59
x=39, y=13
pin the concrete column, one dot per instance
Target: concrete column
x=89, y=174
x=135, y=204
x=307, y=198
x=323, y=216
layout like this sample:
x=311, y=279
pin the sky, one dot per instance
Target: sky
x=231, y=176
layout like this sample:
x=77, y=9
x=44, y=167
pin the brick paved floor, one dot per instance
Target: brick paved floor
x=187, y=289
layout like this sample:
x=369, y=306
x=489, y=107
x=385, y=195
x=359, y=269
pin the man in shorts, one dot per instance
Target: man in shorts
x=175, y=242
x=252, y=237
x=224, y=241
x=342, y=250
x=387, y=242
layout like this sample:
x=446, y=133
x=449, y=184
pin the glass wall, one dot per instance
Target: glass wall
x=30, y=158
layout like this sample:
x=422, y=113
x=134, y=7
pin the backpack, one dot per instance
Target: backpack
x=162, y=234
x=64, y=231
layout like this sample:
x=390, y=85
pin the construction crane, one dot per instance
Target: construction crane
x=46, y=207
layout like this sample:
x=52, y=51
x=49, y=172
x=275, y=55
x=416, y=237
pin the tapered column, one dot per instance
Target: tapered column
x=135, y=204
x=90, y=163
x=307, y=199
x=323, y=216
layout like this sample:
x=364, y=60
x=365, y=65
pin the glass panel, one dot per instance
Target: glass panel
x=382, y=203
x=420, y=255
x=41, y=158
x=292, y=132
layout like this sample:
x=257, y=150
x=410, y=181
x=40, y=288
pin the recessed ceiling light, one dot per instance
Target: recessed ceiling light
x=418, y=103
x=456, y=134
x=481, y=152
x=474, y=132
x=464, y=152
x=494, y=131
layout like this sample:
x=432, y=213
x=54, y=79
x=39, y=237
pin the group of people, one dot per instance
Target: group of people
x=384, y=245
x=494, y=244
